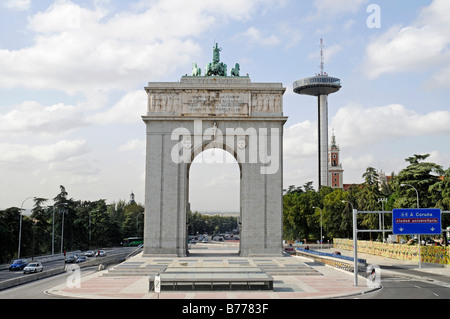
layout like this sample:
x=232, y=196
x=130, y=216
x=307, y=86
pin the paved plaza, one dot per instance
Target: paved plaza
x=294, y=277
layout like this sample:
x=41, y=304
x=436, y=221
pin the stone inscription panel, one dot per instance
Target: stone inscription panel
x=214, y=102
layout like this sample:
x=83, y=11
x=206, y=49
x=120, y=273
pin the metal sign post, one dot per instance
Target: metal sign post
x=355, y=248
x=158, y=284
x=355, y=238
x=425, y=221
x=417, y=221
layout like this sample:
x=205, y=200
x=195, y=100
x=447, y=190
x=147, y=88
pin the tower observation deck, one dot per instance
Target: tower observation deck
x=321, y=86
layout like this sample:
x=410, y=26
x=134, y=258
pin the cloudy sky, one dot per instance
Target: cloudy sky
x=72, y=78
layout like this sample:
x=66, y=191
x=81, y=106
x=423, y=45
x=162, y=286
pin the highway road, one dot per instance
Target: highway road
x=6, y=274
x=403, y=288
x=37, y=289
x=52, y=264
x=403, y=283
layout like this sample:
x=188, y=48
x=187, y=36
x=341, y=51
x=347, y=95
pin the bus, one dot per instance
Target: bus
x=132, y=241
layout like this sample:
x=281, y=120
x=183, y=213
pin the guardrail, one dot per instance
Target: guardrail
x=361, y=261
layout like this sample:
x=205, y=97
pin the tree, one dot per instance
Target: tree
x=64, y=220
x=420, y=175
x=292, y=189
x=133, y=225
x=368, y=199
x=41, y=216
x=337, y=219
x=9, y=233
x=299, y=219
x=201, y=224
x=371, y=177
x=441, y=192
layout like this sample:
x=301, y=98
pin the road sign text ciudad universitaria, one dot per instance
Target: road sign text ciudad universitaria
x=425, y=221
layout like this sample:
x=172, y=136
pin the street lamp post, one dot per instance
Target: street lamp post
x=53, y=228
x=417, y=193
x=53, y=232
x=89, y=230
x=20, y=226
x=62, y=229
x=417, y=196
x=355, y=245
x=321, y=237
x=381, y=216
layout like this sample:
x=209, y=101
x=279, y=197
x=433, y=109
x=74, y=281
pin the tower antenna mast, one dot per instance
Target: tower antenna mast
x=322, y=63
x=320, y=86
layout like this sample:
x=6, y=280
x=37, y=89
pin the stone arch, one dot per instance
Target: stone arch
x=175, y=137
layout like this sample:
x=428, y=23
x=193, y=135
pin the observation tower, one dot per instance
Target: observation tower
x=321, y=86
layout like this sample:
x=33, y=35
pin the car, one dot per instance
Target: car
x=81, y=259
x=100, y=253
x=18, y=264
x=412, y=241
x=71, y=259
x=290, y=250
x=34, y=266
x=432, y=242
x=89, y=253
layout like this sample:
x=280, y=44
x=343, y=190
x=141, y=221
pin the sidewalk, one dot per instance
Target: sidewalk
x=327, y=282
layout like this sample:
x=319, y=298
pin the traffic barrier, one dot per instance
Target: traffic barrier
x=30, y=277
x=361, y=261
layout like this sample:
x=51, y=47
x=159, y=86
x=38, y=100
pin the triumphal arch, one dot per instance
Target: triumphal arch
x=214, y=110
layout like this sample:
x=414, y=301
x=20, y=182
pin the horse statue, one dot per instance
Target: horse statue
x=216, y=67
x=235, y=70
x=196, y=71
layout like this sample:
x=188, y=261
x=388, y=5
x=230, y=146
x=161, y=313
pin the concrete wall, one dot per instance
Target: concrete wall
x=429, y=254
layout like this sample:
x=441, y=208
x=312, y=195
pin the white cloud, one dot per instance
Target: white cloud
x=358, y=164
x=439, y=158
x=77, y=49
x=282, y=34
x=330, y=8
x=300, y=140
x=328, y=52
x=31, y=116
x=74, y=166
x=133, y=145
x=363, y=134
x=128, y=110
x=291, y=35
x=19, y=5
x=254, y=36
x=405, y=49
x=362, y=126
x=59, y=151
x=419, y=46
x=215, y=156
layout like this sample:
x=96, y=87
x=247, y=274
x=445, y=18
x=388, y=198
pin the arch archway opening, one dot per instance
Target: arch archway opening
x=214, y=190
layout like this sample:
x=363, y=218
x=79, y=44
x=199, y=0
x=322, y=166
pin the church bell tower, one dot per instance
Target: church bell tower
x=335, y=171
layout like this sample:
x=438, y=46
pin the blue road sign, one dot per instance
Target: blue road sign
x=413, y=221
